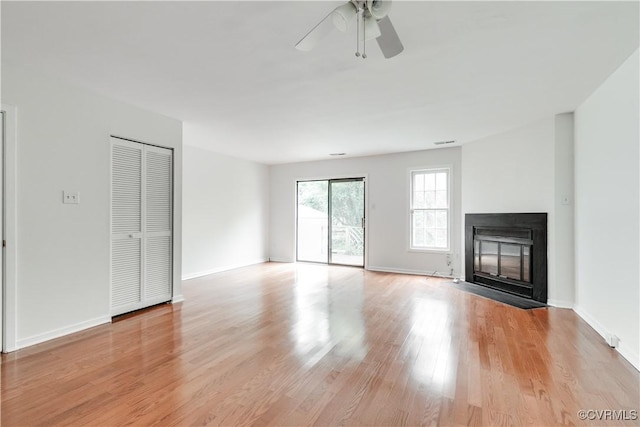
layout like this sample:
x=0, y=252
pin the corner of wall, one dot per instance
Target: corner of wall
x=564, y=292
x=624, y=349
x=607, y=212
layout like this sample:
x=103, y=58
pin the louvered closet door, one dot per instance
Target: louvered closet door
x=157, y=225
x=141, y=202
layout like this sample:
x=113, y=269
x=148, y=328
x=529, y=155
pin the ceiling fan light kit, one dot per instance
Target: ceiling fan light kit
x=371, y=28
x=378, y=8
x=343, y=15
x=372, y=23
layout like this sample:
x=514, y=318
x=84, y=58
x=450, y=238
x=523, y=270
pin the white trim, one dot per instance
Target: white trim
x=557, y=303
x=60, y=332
x=176, y=299
x=223, y=268
x=10, y=319
x=430, y=251
x=330, y=177
x=285, y=260
x=628, y=354
x=430, y=273
x=624, y=351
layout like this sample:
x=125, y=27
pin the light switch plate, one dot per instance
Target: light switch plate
x=71, y=197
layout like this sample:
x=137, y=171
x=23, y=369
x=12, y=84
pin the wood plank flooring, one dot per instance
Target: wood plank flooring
x=294, y=345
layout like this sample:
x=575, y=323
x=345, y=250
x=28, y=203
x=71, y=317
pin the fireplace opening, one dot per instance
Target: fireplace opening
x=508, y=252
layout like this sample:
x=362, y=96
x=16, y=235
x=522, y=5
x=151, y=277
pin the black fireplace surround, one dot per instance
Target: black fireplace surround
x=508, y=252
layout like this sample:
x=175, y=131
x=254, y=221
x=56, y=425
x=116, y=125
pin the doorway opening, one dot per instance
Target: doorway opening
x=330, y=223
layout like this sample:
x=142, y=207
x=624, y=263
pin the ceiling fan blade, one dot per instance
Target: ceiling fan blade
x=389, y=42
x=320, y=31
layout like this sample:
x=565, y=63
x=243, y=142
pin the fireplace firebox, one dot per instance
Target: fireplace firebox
x=508, y=252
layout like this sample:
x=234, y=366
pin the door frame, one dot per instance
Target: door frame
x=8, y=306
x=346, y=177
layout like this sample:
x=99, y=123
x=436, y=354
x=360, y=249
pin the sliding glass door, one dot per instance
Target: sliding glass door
x=313, y=221
x=346, y=213
x=331, y=219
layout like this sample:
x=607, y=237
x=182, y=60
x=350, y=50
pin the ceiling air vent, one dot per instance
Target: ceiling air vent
x=444, y=142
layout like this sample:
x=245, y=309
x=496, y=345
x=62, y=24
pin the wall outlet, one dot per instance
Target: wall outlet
x=71, y=197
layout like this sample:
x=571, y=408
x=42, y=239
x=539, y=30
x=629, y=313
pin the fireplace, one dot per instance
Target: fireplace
x=508, y=252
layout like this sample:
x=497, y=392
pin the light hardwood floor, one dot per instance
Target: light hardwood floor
x=285, y=344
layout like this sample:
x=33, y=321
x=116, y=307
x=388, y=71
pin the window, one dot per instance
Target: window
x=429, y=209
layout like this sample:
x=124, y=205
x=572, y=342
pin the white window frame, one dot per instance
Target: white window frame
x=412, y=173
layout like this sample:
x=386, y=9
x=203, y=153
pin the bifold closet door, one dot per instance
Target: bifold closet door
x=141, y=225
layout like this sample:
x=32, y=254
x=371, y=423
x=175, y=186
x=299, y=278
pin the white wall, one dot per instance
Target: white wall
x=607, y=209
x=63, y=255
x=225, y=211
x=564, y=202
x=387, y=207
x=515, y=172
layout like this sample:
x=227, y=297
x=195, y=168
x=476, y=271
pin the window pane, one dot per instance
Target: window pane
x=429, y=181
x=418, y=219
x=441, y=238
x=430, y=238
x=418, y=182
x=441, y=219
x=441, y=181
x=418, y=200
x=441, y=199
x=430, y=199
x=418, y=237
x=430, y=221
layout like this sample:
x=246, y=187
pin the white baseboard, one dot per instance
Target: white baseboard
x=223, y=268
x=287, y=260
x=558, y=303
x=177, y=299
x=597, y=326
x=57, y=333
x=628, y=354
x=624, y=351
x=415, y=272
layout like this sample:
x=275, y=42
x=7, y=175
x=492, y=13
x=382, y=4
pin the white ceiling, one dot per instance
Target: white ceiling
x=230, y=72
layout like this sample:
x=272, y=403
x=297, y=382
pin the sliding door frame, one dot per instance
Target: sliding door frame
x=296, y=220
x=347, y=177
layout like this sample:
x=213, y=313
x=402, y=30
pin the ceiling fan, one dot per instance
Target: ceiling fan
x=372, y=23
